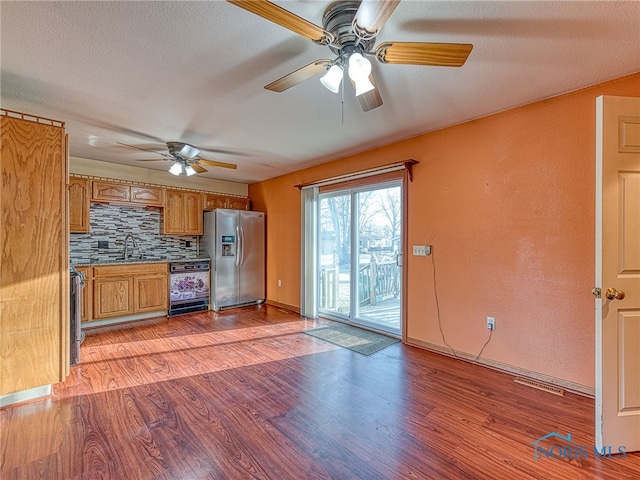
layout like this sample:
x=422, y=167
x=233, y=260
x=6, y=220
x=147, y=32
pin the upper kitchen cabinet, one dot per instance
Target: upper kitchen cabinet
x=182, y=213
x=79, y=195
x=144, y=195
x=213, y=201
x=239, y=203
x=104, y=191
x=34, y=262
x=110, y=192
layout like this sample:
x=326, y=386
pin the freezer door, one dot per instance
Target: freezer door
x=226, y=275
x=252, y=256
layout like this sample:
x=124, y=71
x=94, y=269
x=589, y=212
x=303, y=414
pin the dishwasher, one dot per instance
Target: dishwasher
x=188, y=286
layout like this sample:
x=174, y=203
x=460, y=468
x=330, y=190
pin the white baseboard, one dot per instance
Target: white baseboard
x=24, y=395
x=506, y=368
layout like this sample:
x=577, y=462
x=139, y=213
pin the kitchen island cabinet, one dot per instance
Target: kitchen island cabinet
x=121, y=290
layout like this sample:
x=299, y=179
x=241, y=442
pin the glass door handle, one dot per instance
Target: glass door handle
x=399, y=260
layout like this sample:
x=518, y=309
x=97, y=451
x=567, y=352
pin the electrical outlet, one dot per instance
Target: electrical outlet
x=491, y=323
x=279, y=283
x=103, y=243
x=420, y=250
x=187, y=243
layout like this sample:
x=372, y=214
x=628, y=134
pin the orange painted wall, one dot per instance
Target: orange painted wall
x=507, y=201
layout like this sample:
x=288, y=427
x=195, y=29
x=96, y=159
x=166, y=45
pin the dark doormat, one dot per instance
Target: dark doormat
x=356, y=339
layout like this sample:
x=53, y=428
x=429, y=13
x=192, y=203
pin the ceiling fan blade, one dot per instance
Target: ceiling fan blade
x=216, y=164
x=371, y=16
x=418, y=53
x=299, y=76
x=371, y=99
x=286, y=19
x=151, y=160
x=198, y=168
x=143, y=149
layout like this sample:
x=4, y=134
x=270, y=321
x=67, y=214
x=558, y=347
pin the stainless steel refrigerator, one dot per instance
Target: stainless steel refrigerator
x=235, y=242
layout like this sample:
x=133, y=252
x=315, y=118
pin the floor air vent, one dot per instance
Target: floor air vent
x=539, y=386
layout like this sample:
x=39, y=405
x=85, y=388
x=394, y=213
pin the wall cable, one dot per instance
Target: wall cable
x=435, y=295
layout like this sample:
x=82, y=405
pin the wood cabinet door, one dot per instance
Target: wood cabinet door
x=112, y=297
x=79, y=193
x=146, y=196
x=238, y=203
x=173, y=218
x=86, y=314
x=193, y=213
x=213, y=201
x=110, y=192
x=150, y=293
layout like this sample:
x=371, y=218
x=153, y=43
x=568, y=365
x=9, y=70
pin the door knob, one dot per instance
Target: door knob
x=613, y=294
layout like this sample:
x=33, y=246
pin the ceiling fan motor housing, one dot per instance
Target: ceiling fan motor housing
x=338, y=19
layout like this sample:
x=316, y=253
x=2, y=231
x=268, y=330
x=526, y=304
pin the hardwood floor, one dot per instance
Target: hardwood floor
x=243, y=394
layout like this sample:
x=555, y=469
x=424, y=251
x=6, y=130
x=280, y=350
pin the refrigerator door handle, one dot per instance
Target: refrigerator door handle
x=242, y=243
x=238, y=245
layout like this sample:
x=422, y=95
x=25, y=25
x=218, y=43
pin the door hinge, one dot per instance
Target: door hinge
x=597, y=292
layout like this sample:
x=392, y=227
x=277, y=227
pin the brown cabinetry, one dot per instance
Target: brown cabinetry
x=150, y=196
x=86, y=314
x=34, y=263
x=120, y=290
x=213, y=201
x=103, y=191
x=182, y=213
x=150, y=293
x=79, y=194
x=109, y=192
x=238, y=203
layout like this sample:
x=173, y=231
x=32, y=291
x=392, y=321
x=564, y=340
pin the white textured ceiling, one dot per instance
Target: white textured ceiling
x=144, y=73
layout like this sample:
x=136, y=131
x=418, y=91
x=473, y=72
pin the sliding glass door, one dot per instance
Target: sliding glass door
x=359, y=249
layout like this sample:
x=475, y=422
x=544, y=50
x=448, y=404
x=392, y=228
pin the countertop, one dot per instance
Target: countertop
x=146, y=259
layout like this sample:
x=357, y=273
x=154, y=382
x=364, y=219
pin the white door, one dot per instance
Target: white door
x=618, y=272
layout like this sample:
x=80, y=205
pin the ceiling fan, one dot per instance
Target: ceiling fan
x=184, y=157
x=349, y=29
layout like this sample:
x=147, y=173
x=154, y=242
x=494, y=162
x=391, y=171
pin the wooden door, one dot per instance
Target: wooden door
x=146, y=196
x=150, y=293
x=173, y=221
x=238, y=203
x=112, y=297
x=79, y=194
x=109, y=192
x=213, y=201
x=193, y=213
x=618, y=273
x=34, y=264
x=86, y=314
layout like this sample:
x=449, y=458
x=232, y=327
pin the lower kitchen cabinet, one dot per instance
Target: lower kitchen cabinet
x=121, y=290
x=86, y=313
x=150, y=293
x=112, y=297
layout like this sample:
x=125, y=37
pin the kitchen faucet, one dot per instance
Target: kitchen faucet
x=126, y=245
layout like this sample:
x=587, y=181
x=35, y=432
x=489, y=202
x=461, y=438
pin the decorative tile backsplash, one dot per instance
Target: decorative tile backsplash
x=110, y=224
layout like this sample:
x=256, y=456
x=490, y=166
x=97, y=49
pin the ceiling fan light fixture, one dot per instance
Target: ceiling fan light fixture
x=189, y=170
x=188, y=151
x=332, y=79
x=176, y=168
x=359, y=71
